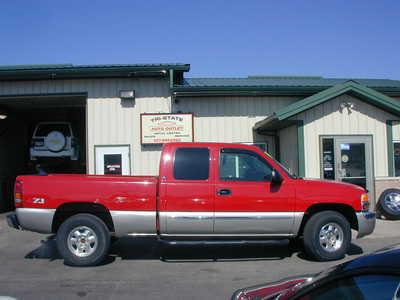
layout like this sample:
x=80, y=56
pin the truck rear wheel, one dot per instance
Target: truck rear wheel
x=327, y=236
x=83, y=240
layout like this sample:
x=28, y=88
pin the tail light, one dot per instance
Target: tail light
x=18, y=193
x=38, y=142
x=365, y=204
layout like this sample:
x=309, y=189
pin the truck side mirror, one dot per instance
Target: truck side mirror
x=276, y=178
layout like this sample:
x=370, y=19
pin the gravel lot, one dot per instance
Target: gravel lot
x=31, y=269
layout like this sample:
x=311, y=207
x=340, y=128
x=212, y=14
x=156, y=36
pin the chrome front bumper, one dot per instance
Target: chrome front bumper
x=366, y=223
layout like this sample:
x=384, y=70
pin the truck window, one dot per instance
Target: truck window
x=243, y=165
x=191, y=163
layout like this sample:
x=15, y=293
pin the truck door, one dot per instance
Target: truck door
x=246, y=202
x=188, y=202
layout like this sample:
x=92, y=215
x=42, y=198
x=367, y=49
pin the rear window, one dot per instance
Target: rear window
x=45, y=129
x=191, y=163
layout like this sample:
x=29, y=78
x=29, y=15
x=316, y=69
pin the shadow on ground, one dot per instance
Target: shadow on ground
x=128, y=248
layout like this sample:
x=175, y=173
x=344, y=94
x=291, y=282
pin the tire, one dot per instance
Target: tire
x=322, y=249
x=87, y=231
x=389, y=204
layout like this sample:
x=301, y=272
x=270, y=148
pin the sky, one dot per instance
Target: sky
x=343, y=38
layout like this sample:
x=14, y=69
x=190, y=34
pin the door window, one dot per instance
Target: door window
x=191, y=163
x=243, y=165
x=352, y=162
x=112, y=160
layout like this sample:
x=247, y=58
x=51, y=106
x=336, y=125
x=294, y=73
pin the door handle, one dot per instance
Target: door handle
x=224, y=192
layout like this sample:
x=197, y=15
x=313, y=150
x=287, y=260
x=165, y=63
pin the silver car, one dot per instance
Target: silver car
x=53, y=139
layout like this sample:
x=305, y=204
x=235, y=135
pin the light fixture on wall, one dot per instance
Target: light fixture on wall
x=346, y=105
x=127, y=98
x=127, y=94
x=3, y=116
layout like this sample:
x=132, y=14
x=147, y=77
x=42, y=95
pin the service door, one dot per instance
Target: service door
x=246, y=203
x=112, y=160
x=354, y=161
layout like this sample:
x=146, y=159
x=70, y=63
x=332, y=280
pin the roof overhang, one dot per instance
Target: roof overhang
x=281, y=118
x=68, y=71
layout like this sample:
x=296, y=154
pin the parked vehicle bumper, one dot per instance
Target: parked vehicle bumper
x=12, y=221
x=366, y=223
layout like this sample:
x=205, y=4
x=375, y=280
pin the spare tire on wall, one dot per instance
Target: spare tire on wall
x=389, y=204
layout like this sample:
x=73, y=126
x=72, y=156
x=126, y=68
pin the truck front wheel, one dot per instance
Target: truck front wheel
x=83, y=240
x=327, y=236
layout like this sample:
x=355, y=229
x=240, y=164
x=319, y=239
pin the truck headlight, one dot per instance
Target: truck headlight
x=365, y=204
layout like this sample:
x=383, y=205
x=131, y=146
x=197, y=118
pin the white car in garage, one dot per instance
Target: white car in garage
x=53, y=139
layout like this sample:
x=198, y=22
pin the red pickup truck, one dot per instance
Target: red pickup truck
x=204, y=192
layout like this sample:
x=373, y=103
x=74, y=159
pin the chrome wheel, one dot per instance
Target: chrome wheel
x=392, y=201
x=331, y=237
x=82, y=241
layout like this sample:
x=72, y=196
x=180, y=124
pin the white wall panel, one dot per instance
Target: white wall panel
x=289, y=148
x=230, y=119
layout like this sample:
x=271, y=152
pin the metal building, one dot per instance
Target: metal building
x=329, y=128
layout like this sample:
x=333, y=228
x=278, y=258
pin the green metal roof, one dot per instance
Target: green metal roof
x=350, y=87
x=260, y=81
x=288, y=85
x=61, y=71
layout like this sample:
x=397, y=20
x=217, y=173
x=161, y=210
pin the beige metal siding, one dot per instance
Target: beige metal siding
x=108, y=120
x=289, y=148
x=396, y=131
x=231, y=119
x=326, y=119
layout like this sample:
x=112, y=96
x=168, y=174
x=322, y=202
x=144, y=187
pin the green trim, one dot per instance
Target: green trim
x=41, y=95
x=367, y=94
x=390, y=150
x=187, y=90
x=301, y=150
x=36, y=72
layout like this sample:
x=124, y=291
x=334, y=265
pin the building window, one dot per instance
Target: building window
x=396, y=154
x=191, y=163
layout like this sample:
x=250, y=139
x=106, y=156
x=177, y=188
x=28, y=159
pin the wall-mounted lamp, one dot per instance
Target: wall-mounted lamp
x=3, y=116
x=346, y=105
x=127, y=95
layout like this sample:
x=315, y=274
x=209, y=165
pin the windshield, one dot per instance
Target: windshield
x=285, y=169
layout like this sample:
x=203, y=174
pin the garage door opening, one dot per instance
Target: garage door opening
x=38, y=135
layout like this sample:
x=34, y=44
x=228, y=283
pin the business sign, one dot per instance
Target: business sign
x=166, y=128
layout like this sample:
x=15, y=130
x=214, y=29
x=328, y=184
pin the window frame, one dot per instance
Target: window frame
x=242, y=151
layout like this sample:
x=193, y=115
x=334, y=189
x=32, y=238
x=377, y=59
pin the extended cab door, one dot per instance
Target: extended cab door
x=187, y=203
x=246, y=202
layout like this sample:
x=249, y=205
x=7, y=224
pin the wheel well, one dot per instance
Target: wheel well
x=65, y=211
x=346, y=210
